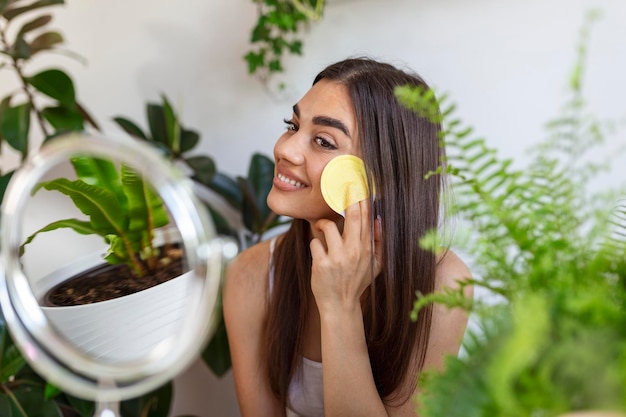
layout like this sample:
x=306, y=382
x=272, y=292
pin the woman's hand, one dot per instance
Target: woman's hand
x=345, y=267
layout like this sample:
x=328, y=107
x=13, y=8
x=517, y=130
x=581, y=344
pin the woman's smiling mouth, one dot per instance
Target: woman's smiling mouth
x=289, y=181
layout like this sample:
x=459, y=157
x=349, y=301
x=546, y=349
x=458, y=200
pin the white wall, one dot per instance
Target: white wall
x=505, y=63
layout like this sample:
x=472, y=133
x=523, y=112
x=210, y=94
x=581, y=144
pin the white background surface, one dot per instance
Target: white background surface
x=505, y=63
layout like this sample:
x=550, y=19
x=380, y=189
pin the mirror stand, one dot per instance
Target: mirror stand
x=107, y=409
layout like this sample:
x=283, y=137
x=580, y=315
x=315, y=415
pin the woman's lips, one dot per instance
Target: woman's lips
x=285, y=182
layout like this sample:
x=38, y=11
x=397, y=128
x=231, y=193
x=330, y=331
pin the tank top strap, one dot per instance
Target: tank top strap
x=271, y=274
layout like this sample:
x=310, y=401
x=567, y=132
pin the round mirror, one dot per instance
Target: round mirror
x=110, y=268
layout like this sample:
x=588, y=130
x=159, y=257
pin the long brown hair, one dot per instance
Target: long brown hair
x=398, y=148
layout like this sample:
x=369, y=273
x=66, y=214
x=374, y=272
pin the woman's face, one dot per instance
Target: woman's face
x=323, y=126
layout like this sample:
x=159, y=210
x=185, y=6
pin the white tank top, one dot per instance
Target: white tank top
x=305, y=395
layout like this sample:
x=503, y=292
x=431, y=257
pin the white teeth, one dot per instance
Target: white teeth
x=290, y=181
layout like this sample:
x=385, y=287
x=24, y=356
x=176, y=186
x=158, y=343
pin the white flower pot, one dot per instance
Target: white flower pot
x=122, y=329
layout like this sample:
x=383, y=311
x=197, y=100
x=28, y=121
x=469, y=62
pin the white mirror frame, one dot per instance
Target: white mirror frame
x=45, y=349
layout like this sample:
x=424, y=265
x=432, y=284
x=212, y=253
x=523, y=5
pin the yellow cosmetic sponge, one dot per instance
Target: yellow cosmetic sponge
x=344, y=182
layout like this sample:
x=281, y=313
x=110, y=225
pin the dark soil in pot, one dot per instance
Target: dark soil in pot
x=106, y=281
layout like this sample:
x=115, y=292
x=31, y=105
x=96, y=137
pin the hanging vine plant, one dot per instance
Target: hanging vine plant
x=276, y=33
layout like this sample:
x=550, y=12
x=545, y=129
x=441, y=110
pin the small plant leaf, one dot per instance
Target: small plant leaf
x=172, y=127
x=45, y=41
x=261, y=176
x=130, y=127
x=227, y=188
x=157, y=124
x=15, y=125
x=203, y=168
x=11, y=12
x=21, y=49
x=63, y=118
x=188, y=140
x=56, y=84
x=35, y=24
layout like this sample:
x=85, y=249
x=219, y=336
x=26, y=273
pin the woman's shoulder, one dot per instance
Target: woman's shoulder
x=248, y=274
x=452, y=271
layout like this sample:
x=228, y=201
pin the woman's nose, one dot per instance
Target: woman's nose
x=290, y=148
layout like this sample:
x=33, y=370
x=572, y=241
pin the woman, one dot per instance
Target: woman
x=318, y=319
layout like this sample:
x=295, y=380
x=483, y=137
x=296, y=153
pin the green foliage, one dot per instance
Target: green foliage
x=245, y=195
x=552, y=249
x=276, y=32
x=122, y=208
x=46, y=97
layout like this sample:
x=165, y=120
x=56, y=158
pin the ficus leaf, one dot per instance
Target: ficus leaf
x=130, y=127
x=261, y=176
x=156, y=123
x=228, y=188
x=188, y=140
x=56, y=84
x=10, y=13
x=203, y=168
x=21, y=49
x=45, y=41
x=15, y=125
x=63, y=118
x=35, y=24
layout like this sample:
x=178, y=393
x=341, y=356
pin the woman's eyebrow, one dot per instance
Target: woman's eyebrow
x=326, y=121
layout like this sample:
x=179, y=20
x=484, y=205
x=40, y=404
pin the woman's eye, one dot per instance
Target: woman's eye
x=324, y=143
x=290, y=125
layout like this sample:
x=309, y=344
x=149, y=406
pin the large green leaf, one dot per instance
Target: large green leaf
x=15, y=125
x=203, y=168
x=261, y=176
x=101, y=173
x=79, y=226
x=157, y=123
x=30, y=401
x=188, y=140
x=249, y=209
x=5, y=406
x=102, y=207
x=64, y=118
x=146, y=209
x=11, y=12
x=56, y=84
x=172, y=126
x=227, y=188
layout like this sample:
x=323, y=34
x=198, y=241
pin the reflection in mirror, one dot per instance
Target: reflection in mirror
x=103, y=257
x=109, y=267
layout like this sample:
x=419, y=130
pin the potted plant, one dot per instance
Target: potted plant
x=551, y=251
x=46, y=99
x=245, y=196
